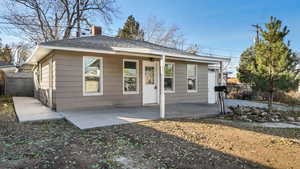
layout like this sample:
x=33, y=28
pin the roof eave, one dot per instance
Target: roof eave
x=41, y=51
x=155, y=52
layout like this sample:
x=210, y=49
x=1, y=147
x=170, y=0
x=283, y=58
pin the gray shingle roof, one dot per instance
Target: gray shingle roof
x=101, y=42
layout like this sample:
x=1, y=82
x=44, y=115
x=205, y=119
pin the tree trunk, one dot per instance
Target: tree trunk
x=270, y=101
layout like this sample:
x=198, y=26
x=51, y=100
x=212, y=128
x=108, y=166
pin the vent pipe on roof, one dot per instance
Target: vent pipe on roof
x=96, y=30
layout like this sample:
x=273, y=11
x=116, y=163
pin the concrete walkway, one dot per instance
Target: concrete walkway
x=116, y=116
x=30, y=109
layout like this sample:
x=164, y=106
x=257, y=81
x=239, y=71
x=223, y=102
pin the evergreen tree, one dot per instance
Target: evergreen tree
x=244, y=73
x=275, y=63
x=131, y=30
x=6, y=54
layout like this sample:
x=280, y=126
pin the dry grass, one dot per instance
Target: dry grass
x=180, y=144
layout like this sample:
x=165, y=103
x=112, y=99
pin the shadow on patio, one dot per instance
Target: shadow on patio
x=121, y=115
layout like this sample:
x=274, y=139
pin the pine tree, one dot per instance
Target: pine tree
x=131, y=30
x=274, y=67
x=244, y=73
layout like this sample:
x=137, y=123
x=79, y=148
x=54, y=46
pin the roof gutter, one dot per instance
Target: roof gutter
x=150, y=51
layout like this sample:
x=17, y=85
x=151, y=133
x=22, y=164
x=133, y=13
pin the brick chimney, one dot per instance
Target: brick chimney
x=96, y=30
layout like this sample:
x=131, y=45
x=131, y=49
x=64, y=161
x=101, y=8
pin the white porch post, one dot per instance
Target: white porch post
x=162, y=86
x=221, y=74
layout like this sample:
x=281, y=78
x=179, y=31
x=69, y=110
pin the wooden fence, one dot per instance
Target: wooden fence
x=18, y=84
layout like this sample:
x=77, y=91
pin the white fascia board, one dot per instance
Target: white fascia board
x=29, y=60
x=192, y=60
x=155, y=52
x=42, y=50
x=214, y=66
x=78, y=49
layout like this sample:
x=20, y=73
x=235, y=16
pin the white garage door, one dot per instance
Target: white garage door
x=211, y=87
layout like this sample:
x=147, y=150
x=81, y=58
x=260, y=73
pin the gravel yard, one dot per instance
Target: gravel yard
x=168, y=144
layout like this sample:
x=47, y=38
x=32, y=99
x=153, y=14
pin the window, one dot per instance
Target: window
x=169, y=77
x=149, y=75
x=192, y=78
x=130, y=77
x=92, y=76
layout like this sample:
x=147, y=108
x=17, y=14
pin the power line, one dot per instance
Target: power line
x=211, y=50
x=61, y=26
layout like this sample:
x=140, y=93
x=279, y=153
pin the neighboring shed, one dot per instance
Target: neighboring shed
x=7, y=67
x=25, y=68
x=18, y=84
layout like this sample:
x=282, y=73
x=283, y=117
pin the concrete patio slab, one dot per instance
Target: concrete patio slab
x=116, y=116
x=30, y=109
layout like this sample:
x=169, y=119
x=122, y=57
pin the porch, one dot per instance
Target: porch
x=122, y=115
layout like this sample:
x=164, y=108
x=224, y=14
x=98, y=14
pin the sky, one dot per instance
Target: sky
x=221, y=27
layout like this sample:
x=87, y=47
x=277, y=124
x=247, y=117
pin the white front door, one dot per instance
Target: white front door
x=211, y=87
x=150, y=82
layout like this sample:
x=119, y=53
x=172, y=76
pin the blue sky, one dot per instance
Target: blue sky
x=217, y=24
x=220, y=26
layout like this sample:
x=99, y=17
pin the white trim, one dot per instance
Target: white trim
x=144, y=52
x=32, y=54
x=101, y=77
x=50, y=81
x=78, y=49
x=157, y=80
x=173, y=87
x=137, y=76
x=162, y=105
x=155, y=52
x=192, y=60
x=187, y=79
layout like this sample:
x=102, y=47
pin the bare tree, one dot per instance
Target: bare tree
x=43, y=20
x=156, y=31
x=20, y=52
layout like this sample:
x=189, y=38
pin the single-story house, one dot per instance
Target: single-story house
x=97, y=71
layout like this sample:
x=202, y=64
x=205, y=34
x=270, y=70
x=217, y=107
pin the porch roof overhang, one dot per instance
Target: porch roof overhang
x=41, y=51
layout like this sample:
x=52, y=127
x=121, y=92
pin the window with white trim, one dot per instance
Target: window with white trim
x=130, y=76
x=92, y=75
x=169, y=77
x=192, y=77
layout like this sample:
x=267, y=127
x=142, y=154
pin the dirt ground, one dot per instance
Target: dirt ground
x=161, y=144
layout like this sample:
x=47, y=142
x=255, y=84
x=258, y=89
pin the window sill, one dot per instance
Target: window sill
x=92, y=94
x=130, y=93
x=170, y=91
x=192, y=91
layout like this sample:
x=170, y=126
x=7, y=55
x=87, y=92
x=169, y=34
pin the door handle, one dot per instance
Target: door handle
x=155, y=87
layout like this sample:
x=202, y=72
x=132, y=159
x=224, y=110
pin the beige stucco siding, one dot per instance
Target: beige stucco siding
x=69, y=83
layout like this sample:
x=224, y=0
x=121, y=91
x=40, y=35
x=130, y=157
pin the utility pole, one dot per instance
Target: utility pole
x=78, y=19
x=257, y=33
